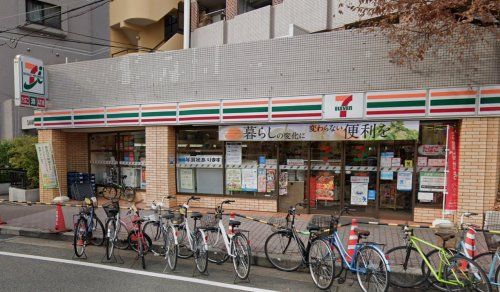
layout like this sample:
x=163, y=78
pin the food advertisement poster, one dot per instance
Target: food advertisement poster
x=283, y=183
x=356, y=131
x=324, y=187
x=249, y=179
x=233, y=179
x=271, y=180
x=261, y=180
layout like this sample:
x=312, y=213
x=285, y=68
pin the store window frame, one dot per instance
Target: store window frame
x=118, y=152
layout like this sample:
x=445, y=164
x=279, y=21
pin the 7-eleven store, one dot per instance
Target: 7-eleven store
x=384, y=152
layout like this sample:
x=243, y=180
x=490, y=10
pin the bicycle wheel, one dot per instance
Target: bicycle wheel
x=283, y=251
x=97, y=232
x=496, y=284
x=217, y=252
x=321, y=263
x=109, y=192
x=153, y=230
x=170, y=247
x=434, y=258
x=79, y=237
x=467, y=274
x=142, y=252
x=242, y=260
x=184, y=248
x=121, y=241
x=111, y=237
x=128, y=194
x=405, y=263
x=133, y=242
x=371, y=269
x=200, y=253
x=485, y=259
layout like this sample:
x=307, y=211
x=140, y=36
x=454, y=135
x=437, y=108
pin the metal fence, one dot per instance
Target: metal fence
x=16, y=177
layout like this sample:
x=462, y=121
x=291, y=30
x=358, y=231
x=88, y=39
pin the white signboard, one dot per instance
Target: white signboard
x=249, y=179
x=233, y=153
x=47, y=166
x=203, y=159
x=186, y=178
x=30, y=82
x=28, y=123
x=431, y=181
x=405, y=181
x=359, y=194
x=343, y=106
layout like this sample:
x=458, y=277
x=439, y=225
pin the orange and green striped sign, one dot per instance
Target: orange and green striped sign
x=489, y=102
x=57, y=119
x=245, y=110
x=455, y=101
x=396, y=103
x=38, y=119
x=123, y=115
x=89, y=117
x=159, y=114
x=297, y=108
x=199, y=112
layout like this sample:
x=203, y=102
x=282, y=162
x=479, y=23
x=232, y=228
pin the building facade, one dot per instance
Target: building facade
x=322, y=117
x=28, y=28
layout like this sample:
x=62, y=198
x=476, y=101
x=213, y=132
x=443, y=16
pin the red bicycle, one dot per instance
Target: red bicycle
x=138, y=241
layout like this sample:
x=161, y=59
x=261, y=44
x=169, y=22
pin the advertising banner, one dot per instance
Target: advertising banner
x=451, y=203
x=355, y=131
x=47, y=166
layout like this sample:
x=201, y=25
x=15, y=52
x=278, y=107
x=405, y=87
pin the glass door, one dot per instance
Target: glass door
x=325, y=182
x=293, y=173
x=361, y=169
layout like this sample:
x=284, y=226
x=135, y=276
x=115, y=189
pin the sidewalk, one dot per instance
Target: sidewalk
x=42, y=219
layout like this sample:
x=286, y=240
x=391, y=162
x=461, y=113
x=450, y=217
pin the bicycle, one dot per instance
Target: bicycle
x=236, y=244
x=187, y=242
x=153, y=227
x=138, y=241
x=455, y=271
x=112, y=210
x=491, y=261
x=317, y=255
x=114, y=190
x=88, y=227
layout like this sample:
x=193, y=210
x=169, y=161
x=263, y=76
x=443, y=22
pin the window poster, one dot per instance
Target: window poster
x=422, y=161
x=186, y=177
x=233, y=179
x=325, y=186
x=249, y=179
x=359, y=190
x=386, y=159
x=386, y=175
x=283, y=183
x=271, y=180
x=143, y=178
x=233, y=153
x=405, y=179
x=431, y=181
x=261, y=180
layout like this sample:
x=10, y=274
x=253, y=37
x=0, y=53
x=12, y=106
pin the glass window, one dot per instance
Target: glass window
x=325, y=182
x=43, y=13
x=199, y=161
x=119, y=158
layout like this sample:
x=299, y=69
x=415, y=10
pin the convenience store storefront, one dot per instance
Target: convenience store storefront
x=382, y=152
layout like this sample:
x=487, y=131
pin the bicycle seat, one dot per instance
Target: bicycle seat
x=445, y=236
x=196, y=215
x=362, y=233
x=313, y=227
x=234, y=223
x=168, y=216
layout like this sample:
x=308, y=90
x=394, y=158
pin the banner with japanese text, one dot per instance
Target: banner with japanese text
x=451, y=203
x=356, y=131
x=47, y=166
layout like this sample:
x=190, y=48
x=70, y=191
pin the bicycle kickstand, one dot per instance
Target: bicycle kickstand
x=239, y=281
x=113, y=260
x=342, y=278
x=83, y=257
x=201, y=274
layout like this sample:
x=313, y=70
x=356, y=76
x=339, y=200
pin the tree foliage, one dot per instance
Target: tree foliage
x=5, y=147
x=419, y=27
x=23, y=156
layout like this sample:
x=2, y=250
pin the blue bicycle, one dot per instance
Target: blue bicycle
x=368, y=261
x=88, y=227
x=490, y=262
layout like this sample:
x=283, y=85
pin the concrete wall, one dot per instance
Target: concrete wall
x=208, y=36
x=333, y=62
x=50, y=51
x=251, y=26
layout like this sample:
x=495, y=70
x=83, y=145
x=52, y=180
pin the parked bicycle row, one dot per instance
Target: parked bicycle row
x=170, y=233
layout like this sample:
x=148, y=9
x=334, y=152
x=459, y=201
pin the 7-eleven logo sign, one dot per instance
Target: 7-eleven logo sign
x=343, y=106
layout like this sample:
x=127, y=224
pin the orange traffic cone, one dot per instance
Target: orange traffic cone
x=231, y=218
x=353, y=239
x=60, y=223
x=469, y=246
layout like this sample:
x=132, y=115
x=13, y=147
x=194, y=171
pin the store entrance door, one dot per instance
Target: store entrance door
x=293, y=174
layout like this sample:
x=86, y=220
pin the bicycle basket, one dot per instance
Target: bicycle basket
x=111, y=209
x=324, y=222
x=209, y=220
x=278, y=223
x=178, y=218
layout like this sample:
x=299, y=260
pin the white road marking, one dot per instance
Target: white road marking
x=137, y=272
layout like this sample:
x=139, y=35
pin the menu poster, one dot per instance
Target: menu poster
x=405, y=179
x=283, y=183
x=271, y=180
x=261, y=180
x=249, y=179
x=186, y=177
x=233, y=179
x=233, y=153
x=324, y=187
x=422, y=161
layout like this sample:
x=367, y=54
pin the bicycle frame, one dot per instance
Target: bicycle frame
x=443, y=255
x=492, y=268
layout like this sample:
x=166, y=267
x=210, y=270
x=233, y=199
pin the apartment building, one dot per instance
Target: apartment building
x=47, y=31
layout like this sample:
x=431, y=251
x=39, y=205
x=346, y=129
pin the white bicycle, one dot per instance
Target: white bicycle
x=234, y=244
x=182, y=241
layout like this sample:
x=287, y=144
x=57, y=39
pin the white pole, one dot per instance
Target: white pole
x=187, y=23
x=445, y=190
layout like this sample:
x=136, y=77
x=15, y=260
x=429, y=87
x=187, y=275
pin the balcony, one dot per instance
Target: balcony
x=132, y=13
